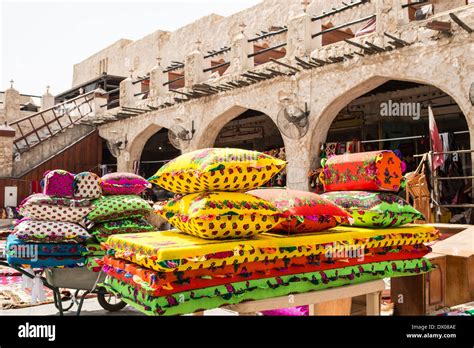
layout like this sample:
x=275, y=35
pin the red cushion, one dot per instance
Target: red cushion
x=364, y=171
x=304, y=211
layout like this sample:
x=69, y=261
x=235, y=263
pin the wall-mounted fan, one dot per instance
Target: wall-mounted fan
x=180, y=137
x=293, y=122
x=115, y=146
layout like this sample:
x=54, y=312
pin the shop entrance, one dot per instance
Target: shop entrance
x=156, y=152
x=394, y=116
x=254, y=130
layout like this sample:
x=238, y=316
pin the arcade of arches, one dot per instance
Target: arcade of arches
x=369, y=122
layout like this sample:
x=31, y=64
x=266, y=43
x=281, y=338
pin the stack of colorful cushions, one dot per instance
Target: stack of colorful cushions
x=51, y=233
x=235, y=246
x=350, y=180
x=169, y=273
x=119, y=211
x=213, y=207
x=364, y=184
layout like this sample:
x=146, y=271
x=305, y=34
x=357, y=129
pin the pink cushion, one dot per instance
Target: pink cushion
x=58, y=183
x=123, y=184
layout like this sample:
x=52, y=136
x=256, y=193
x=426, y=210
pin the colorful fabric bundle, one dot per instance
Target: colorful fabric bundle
x=58, y=183
x=87, y=185
x=375, y=209
x=220, y=215
x=219, y=169
x=169, y=251
x=300, y=311
x=364, y=171
x=42, y=255
x=93, y=256
x=302, y=211
x=42, y=207
x=103, y=230
x=257, y=289
x=111, y=208
x=123, y=184
x=15, y=245
x=165, y=283
x=50, y=232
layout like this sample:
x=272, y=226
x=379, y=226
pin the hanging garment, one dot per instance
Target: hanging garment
x=452, y=190
x=330, y=149
x=445, y=139
x=353, y=146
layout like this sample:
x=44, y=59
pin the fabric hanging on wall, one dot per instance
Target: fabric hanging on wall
x=354, y=146
x=445, y=139
x=331, y=149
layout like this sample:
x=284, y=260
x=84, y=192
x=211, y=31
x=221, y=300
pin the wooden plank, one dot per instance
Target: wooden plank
x=460, y=244
x=336, y=307
x=460, y=23
x=373, y=303
x=459, y=280
x=309, y=297
x=439, y=26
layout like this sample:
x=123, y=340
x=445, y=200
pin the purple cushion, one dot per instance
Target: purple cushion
x=123, y=184
x=58, y=183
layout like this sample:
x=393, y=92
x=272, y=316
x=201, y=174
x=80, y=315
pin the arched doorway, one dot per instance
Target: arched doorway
x=394, y=116
x=156, y=152
x=254, y=130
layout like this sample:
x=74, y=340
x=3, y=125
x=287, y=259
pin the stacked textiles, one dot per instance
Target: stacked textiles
x=231, y=246
x=52, y=232
x=170, y=272
x=44, y=255
x=365, y=185
x=119, y=210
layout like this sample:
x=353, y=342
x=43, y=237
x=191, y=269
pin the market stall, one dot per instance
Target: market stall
x=57, y=242
x=230, y=247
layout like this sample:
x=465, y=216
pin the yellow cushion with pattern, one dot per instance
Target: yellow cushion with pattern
x=220, y=215
x=217, y=169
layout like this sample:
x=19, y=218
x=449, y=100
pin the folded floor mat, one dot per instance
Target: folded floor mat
x=165, y=283
x=169, y=251
x=233, y=293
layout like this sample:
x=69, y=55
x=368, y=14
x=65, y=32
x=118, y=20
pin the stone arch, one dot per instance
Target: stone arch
x=209, y=131
x=136, y=145
x=323, y=121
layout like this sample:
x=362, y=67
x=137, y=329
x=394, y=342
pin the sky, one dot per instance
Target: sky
x=40, y=41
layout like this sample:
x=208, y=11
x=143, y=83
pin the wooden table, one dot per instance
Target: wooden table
x=335, y=301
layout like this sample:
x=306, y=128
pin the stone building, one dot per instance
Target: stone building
x=281, y=74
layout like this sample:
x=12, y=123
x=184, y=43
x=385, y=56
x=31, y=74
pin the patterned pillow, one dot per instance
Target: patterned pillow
x=303, y=211
x=50, y=232
x=58, y=183
x=217, y=170
x=375, y=209
x=368, y=171
x=102, y=231
x=111, y=208
x=87, y=185
x=220, y=215
x=42, y=207
x=15, y=247
x=123, y=184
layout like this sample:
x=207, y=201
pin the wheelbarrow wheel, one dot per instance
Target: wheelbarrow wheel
x=109, y=301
